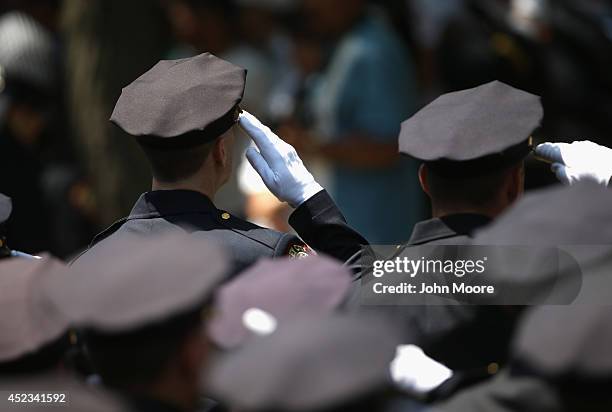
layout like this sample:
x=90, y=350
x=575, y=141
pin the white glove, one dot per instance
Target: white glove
x=578, y=161
x=414, y=372
x=278, y=164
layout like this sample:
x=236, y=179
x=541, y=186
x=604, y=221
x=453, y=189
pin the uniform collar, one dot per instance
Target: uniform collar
x=461, y=224
x=171, y=202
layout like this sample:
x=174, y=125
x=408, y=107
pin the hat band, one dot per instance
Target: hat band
x=195, y=137
x=471, y=168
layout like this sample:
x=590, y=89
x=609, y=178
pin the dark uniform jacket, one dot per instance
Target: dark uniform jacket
x=472, y=340
x=448, y=230
x=320, y=223
x=161, y=211
x=463, y=337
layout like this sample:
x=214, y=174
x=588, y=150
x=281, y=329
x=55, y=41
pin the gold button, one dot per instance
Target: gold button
x=225, y=216
x=493, y=368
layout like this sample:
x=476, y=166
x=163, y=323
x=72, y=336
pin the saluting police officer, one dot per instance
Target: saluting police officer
x=472, y=144
x=183, y=113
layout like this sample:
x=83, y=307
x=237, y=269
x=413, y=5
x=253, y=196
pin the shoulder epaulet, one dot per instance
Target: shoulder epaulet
x=261, y=235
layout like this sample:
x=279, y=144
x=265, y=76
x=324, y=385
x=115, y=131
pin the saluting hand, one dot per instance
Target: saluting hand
x=278, y=164
x=578, y=161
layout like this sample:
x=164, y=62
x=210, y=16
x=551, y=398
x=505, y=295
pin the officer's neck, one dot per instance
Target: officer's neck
x=491, y=211
x=208, y=187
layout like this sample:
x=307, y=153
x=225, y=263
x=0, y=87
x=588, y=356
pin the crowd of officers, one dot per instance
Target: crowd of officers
x=181, y=306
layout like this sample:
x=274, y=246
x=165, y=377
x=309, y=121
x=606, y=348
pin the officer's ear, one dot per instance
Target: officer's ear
x=423, y=179
x=221, y=152
x=515, y=183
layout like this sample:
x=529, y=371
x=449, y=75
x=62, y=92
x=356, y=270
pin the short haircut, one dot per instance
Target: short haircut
x=170, y=165
x=139, y=356
x=467, y=191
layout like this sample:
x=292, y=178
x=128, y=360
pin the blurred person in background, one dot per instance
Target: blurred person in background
x=37, y=345
x=142, y=316
x=37, y=168
x=27, y=81
x=35, y=338
x=364, y=91
x=428, y=20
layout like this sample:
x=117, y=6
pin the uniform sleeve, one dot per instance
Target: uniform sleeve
x=322, y=226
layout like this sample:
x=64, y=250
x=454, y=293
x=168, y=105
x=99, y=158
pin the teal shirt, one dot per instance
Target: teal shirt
x=368, y=89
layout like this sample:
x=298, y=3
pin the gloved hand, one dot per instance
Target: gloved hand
x=414, y=372
x=578, y=161
x=278, y=164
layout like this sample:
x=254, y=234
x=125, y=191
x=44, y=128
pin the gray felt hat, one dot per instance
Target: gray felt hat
x=182, y=103
x=473, y=131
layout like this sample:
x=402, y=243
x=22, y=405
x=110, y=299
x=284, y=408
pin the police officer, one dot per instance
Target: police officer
x=560, y=363
x=34, y=335
x=472, y=144
x=334, y=363
x=141, y=306
x=274, y=292
x=35, y=344
x=560, y=357
x=183, y=114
